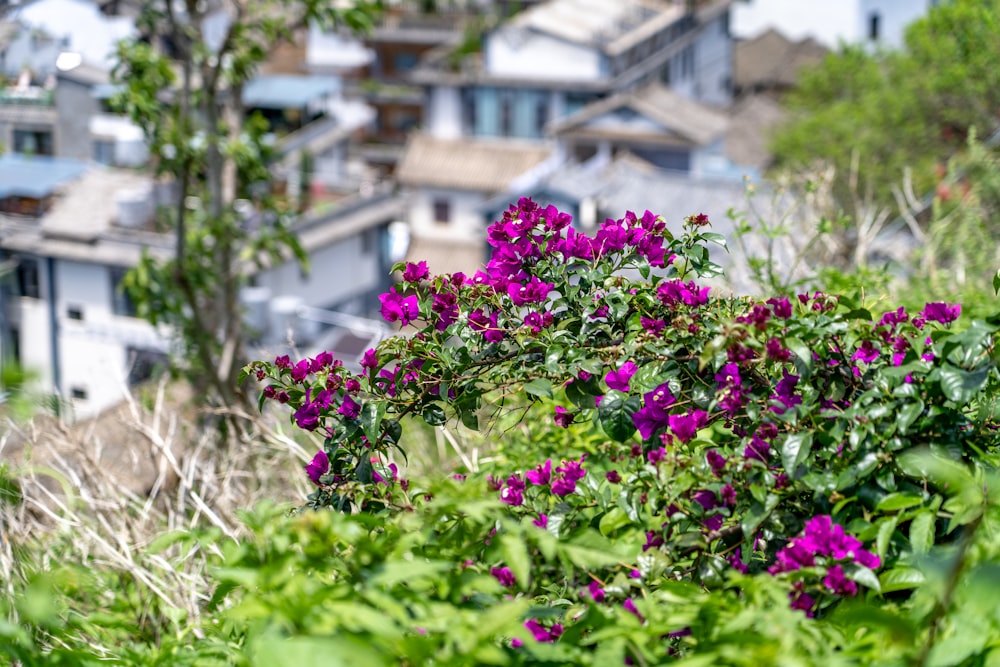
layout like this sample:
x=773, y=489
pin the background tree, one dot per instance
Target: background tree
x=183, y=79
x=874, y=115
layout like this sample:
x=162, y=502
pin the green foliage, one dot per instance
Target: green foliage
x=873, y=115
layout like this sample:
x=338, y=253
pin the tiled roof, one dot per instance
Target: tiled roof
x=694, y=122
x=466, y=164
x=772, y=60
x=751, y=122
x=286, y=91
x=36, y=176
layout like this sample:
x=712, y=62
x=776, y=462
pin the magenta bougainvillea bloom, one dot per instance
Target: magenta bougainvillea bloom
x=350, y=408
x=318, y=467
x=369, y=359
x=543, y=634
x=414, y=273
x=567, y=475
x=396, y=307
x=542, y=521
x=686, y=426
x=504, y=576
x=541, y=475
x=945, y=313
x=866, y=352
x=563, y=418
x=619, y=379
x=595, y=591
x=653, y=415
x=486, y=324
x=630, y=607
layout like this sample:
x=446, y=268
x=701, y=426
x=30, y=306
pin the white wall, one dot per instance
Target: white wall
x=93, y=351
x=828, y=22
x=444, y=112
x=339, y=272
x=516, y=52
x=713, y=60
x=467, y=223
x=895, y=16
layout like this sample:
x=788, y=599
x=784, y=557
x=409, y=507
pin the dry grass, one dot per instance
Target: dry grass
x=97, y=494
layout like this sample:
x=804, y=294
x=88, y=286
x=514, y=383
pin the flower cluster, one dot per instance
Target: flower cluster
x=823, y=544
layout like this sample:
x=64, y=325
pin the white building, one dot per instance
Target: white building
x=559, y=79
x=73, y=230
x=880, y=22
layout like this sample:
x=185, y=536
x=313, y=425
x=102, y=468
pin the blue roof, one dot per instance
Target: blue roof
x=285, y=91
x=36, y=176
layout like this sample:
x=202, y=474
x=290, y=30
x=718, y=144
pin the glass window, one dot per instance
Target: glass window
x=27, y=278
x=442, y=211
x=121, y=303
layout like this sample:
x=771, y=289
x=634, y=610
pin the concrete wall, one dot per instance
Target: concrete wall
x=444, y=112
x=516, y=52
x=75, y=107
x=343, y=270
x=713, y=57
x=894, y=17
x=467, y=222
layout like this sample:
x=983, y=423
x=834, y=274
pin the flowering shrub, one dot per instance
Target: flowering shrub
x=671, y=435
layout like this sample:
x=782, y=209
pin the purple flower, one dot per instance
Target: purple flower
x=613, y=476
x=542, y=634
x=307, y=416
x=533, y=291
x=782, y=307
x=350, y=408
x=562, y=417
x=653, y=540
x=283, y=361
x=538, y=321
x=487, y=324
x=504, y=576
x=653, y=415
x=715, y=461
x=397, y=307
x=513, y=493
x=685, y=427
x=300, y=370
x=541, y=474
x=838, y=583
x=445, y=306
x=944, y=313
x=654, y=456
x=318, y=467
x=567, y=475
x=803, y=602
x=415, y=272
x=619, y=379
x=866, y=353
x=776, y=350
x=651, y=325
x=370, y=359
x=596, y=592
x=542, y=521
x=630, y=607
x=673, y=292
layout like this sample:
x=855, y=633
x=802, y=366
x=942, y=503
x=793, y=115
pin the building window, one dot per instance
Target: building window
x=506, y=114
x=442, y=211
x=874, y=27
x=78, y=393
x=541, y=113
x=27, y=278
x=121, y=302
x=144, y=364
x=74, y=312
x=14, y=334
x=104, y=152
x=33, y=142
x=404, y=62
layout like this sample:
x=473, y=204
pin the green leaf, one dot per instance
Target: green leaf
x=886, y=528
x=864, y=576
x=371, y=418
x=515, y=555
x=612, y=520
x=434, y=415
x=539, y=387
x=908, y=414
x=395, y=572
x=794, y=451
x=899, y=501
x=616, y=416
x=340, y=651
x=803, y=356
x=960, y=385
x=589, y=551
x=901, y=578
x=922, y=532
x=996, y=283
